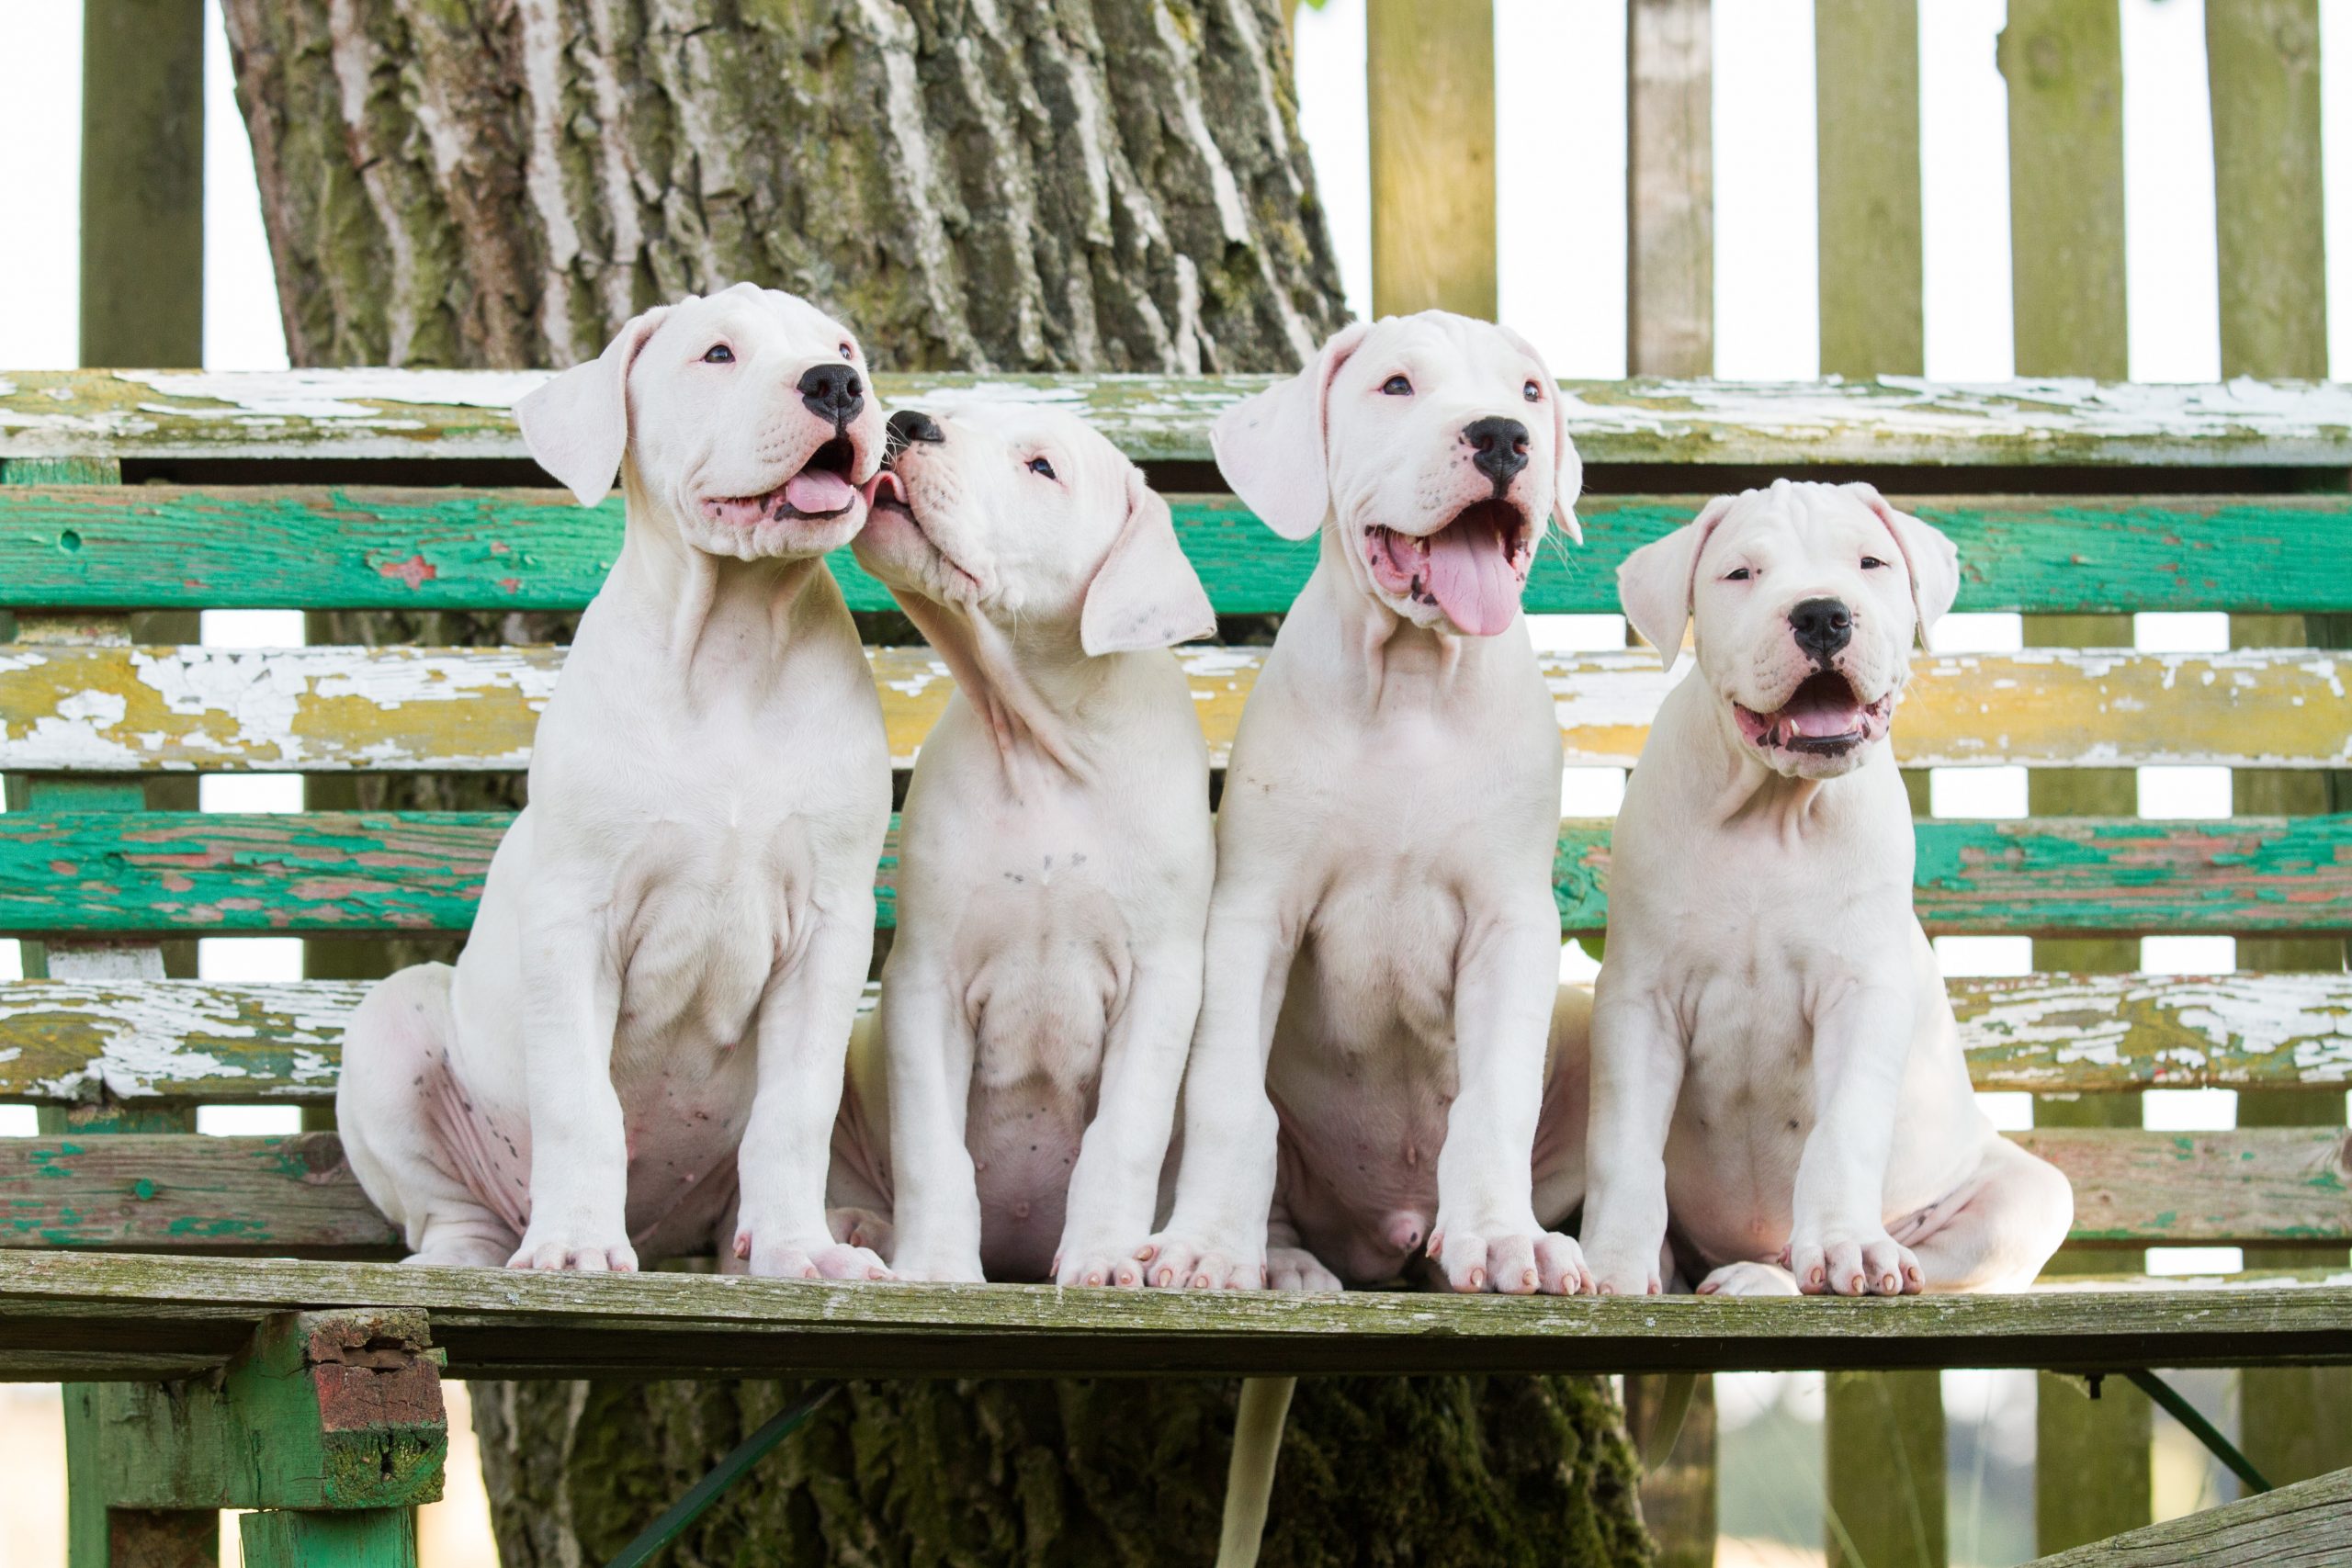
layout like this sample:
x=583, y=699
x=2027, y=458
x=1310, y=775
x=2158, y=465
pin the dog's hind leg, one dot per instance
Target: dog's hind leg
x=1998, y=1230
x=408, y=1134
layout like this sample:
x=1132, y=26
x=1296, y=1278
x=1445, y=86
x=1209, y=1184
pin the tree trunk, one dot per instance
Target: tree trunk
x=1028, y=185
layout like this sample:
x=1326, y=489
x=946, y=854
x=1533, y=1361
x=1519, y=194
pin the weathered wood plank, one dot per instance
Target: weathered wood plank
x=2263, y=67
x=295, y=1194
x=1429, y=121
x=435, y=414
x=316, y=710
x=2308, y=1522
x=1669, y=188
x=2064, y=64
x=372, y=547
x=1883, y=1462
x=135, y=1043
x=1866, y=114
x=365, y=871
x=498, y=1322
x=371, y=1538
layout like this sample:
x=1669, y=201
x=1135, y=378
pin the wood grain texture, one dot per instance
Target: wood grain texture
x=404, y=709
x=1883, y=1462
x=141, y=297
x=1430, y=117
x=2305, y=1523
x=2262, y=67
x=295, y=1194
x=2063, y=62
x=360, y=872
x=55, y=1304
x=1669, y=188
x=129, y=1044
x=427, y=415
x=371, y=1538
x=1866, y=110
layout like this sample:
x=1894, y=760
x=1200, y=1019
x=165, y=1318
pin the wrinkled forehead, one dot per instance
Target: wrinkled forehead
x=1035, y=427
x=761, y=316
x=1797, y=522
x=1450, y=352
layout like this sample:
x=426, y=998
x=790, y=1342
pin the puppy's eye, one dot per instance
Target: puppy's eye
x=1736, y=574
x=1533, y=391
x=1039, y=466
x=1397, y=386
x=848, y=353
x=719, y=353
x=1872, y=562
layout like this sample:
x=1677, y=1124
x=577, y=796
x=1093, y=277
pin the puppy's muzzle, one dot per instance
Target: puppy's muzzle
x=833, y=393
x=1497, y=448
x=1821, y=627
x=908, y=426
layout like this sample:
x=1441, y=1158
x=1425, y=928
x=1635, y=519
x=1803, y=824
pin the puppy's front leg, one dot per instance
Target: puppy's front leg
x=1837, y=1239
x=1116, y=1182
x=1217, y=1237
x=571, y=1003
x=804, y=1026
x=1637, y=1061
x=1487, y=1237
x=936, y=1192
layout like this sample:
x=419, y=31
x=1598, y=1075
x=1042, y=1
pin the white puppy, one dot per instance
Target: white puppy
x=1054, y=863
x=1775, y=1063
x=671, y=945
x=1383, y=943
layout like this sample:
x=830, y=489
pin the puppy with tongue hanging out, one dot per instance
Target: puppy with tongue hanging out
x=1776, y=1081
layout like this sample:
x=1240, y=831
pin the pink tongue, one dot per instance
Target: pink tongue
x=1818, y=714
x=818, y=492
x=1471, y=579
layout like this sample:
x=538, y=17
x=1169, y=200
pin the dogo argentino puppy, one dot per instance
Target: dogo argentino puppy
x=1775, y=1064
x=1053, y=865
x=1375, y=1070
x=674, y=934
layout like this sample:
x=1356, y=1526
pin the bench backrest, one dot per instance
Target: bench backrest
x=410, y=490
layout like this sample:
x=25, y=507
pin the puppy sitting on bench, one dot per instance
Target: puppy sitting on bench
x=1776, y=1076
x=1053, y=863
x=670, y=947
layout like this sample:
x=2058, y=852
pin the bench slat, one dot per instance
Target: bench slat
x=515, y=1324
x=179, y=1041
x=68, y=709
x=310, y=547
x=363, y=871
x=463, y=413
x=132, y=1192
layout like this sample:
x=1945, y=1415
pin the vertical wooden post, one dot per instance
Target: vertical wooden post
x=1882, y=1433
x=1866, y=97
x=1429, y=82
x=142, y=183
x=1669, y=188
x=1678, y=1491
x=2263, y=69
x=1885, y=1468
x=2063, y=62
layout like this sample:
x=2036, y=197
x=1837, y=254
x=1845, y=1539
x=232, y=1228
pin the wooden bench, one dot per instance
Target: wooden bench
x=410, y=490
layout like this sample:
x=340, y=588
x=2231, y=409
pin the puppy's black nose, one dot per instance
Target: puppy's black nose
x=1822, y=627
x=910, y=425
x=833, y=393
x=1498, y=447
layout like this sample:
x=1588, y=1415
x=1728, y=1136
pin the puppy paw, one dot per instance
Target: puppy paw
x=1097, y=1263
x=1619, y=1271
x=807, y=1258
x=923, y=1267
x=551, y=1251
x=1509, y=1259
x=1749, y=1279
x=1176, y=1262
x=1296, y=1269
x=1847, y=1263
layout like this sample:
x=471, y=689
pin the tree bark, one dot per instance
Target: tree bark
x=1028, y=185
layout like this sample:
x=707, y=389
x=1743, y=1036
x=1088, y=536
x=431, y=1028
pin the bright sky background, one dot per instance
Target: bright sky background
x=1562, y=168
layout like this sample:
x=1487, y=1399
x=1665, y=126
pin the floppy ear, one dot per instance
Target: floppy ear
x=1272, y=446
x=577, y=426
x=1146, y=594
x=1568, y=479
x=1932, y=560
x=1656, y=582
